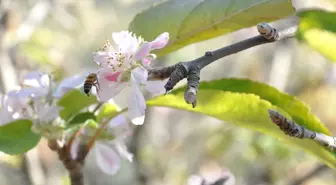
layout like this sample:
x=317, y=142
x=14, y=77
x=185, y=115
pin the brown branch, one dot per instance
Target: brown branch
x=74, y=167
x=191, y=69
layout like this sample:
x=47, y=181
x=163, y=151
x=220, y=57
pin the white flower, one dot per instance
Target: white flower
x=108, y=152
x=45, y=120
x=124, y=64
x=13, y=107
x=29, y=102
x=68, y=84
x=36, y=84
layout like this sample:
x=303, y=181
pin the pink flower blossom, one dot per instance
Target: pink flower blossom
x=123, y=64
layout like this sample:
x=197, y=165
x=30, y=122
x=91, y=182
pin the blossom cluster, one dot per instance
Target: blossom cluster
x=122, y=64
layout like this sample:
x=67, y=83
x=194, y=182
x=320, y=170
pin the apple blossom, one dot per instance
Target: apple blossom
x=68, y=84
x=13, y=107
x=109, y=146
x=36, y=84
x=123, y=64
x=32, y=101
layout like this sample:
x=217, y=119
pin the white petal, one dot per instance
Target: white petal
x=16, y=100
x=33, y=92
x=156, y=87
x=109, y=90
x=195, y=180
x=101, y=58
x=119, y=36
x=122, y=150
x=119, y=127
x=139, y=75
x=69, y=84
x=143, y=51
x=117, y=121
x=136, y=106
x=125, y=41
x=36, y=79
x=49, y=113
x=160, y=41
x=107, y=159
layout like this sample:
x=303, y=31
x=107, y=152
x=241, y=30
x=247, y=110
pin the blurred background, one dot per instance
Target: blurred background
x=59, y=36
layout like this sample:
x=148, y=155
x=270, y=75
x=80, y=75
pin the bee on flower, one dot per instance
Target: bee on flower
x=123, y=63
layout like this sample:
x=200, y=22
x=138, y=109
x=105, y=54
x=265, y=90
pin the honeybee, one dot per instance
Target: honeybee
x=91, y=80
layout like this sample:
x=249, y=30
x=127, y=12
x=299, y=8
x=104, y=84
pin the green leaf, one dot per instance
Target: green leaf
x=318, y=29
x=108, y=111
x=73, y=102
x=246, y=103
x=81, y=118
x=192, y=21
x=17, y=138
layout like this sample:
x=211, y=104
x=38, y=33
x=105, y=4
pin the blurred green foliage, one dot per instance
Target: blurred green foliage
x=17, y=138
x=318, y=29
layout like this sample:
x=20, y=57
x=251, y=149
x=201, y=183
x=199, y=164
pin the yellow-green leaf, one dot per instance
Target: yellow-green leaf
x=318, y=29
x=246, y=103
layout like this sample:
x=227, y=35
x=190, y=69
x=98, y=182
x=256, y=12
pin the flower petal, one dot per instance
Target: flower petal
x=139, y=75
x=125, y=41
x=36, y=79
x=113, y=77
x=156, y=87
x=143, y=51
x=107, y=159
x=49, y=113
x=101, y=58
x=33, y=92
x=160, y=41
x=109, y=89
x=17, y=100
x=119, y=127
x=69, y=84
x=122, y=150
x=136, y=106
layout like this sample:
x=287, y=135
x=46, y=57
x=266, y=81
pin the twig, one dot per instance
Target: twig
x=292, y=129
x=74, y=167
x=317, y=170
x=191, y=69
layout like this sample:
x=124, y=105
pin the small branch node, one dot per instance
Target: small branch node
x=160, y=73
x=208, y=53
x=292, y=129
x=192, y=87
x=268, y=31
x=190, y=96
x=180, y=72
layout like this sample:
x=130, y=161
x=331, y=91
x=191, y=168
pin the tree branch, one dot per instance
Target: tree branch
x=74, y=167
x=292, y=129
x=191, y=69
